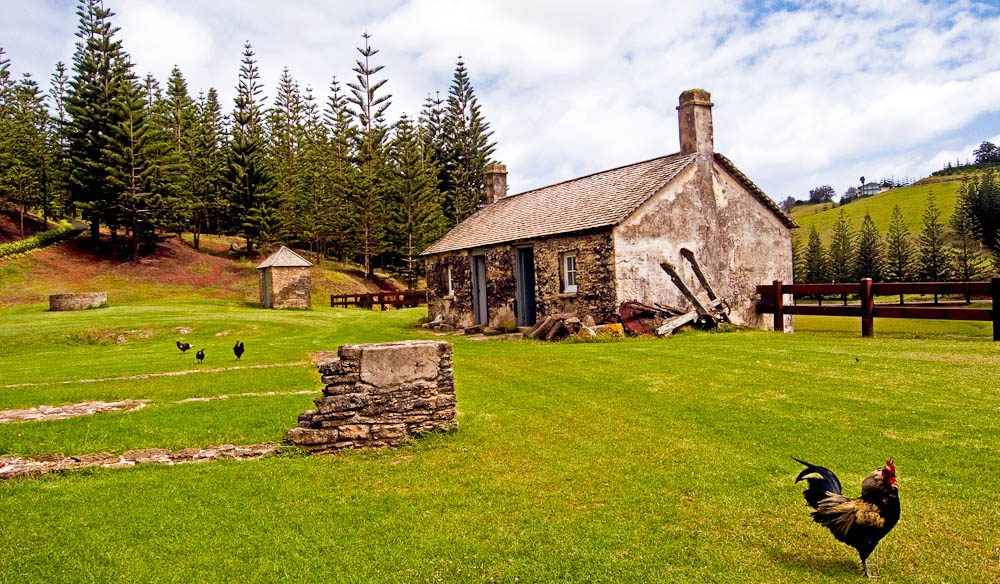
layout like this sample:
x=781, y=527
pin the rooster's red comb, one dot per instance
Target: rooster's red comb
x=892, y=467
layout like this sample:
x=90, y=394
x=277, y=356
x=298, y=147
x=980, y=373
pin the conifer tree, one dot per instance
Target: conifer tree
x=432, y=134
x=968, y=257
x=416, y=219
x=249, y=180
x=59, y=141
x=96, y=83
x=176, y=114
x=24, y=171
x=467, y=148
x=842, y=250
x=134, y=148
x=207, y=203
x=871, y=253
x=338, y=223
x=286, y=133
x=933, y=256
x=369, y=193
x=899, y=249
x=6, y=130
x=814, y=265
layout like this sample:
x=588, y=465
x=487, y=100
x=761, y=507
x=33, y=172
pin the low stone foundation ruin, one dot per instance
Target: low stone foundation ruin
x=78, y=301
x=380, y=395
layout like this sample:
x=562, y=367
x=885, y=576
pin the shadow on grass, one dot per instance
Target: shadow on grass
x=804, y=560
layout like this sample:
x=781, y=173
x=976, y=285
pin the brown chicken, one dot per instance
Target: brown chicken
x=862, y=522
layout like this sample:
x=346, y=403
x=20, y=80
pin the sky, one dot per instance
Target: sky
x=806, y=93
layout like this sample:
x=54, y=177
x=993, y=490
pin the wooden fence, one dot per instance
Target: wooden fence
x=772, y=301
x=404, y=298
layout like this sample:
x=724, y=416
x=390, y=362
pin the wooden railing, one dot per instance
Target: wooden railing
x=401, y=299
x=772, y=301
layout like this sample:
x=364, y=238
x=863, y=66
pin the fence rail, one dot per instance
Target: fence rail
x=401, y=299
x=772, y=301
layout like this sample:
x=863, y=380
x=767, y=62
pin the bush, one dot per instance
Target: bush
x=44, y=239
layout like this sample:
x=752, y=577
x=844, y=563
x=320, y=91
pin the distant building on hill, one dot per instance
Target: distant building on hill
x=587, y=245
x=871, y=188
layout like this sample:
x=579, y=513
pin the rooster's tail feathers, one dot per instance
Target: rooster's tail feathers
x=819, y=487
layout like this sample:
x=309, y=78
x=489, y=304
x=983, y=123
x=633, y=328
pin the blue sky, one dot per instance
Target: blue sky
x=806, y=93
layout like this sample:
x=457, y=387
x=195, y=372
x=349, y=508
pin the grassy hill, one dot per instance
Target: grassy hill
x=175, y=270
x=911, y=201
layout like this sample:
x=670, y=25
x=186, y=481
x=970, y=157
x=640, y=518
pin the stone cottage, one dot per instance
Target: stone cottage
x=285, y=281
x=588, y=244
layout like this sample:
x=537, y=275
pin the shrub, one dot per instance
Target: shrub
x=44, y=239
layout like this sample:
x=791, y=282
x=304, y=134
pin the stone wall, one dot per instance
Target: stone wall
x=79, y=301
x=738, y=243
x=455, y=309
x=595, y=295
x=291, y=287
x=595, y=276
x=380, y=395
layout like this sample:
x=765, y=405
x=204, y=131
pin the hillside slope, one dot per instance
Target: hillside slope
x=175, y=270
x=911, y=201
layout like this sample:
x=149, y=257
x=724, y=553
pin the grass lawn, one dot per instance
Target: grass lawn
x=633, y=461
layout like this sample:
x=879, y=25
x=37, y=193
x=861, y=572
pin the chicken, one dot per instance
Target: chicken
x=238, y=349
x=183, y=346
x=200, y=355
x=862, y=522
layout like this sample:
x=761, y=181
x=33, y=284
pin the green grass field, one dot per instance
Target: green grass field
x=911, y=201
x=634, y=461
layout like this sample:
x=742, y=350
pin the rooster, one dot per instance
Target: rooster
x=238, y=350
x=183, y=346
x=200, y=355
x=862, y=522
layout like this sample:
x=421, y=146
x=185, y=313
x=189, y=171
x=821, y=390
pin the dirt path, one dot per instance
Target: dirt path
x=150, y=375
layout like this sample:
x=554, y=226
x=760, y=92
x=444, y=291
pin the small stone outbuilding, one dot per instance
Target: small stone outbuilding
x=285, y=280
x=587, y=245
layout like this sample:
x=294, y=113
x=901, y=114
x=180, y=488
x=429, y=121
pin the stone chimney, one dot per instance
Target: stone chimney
x=496, y=182
x=694, y=120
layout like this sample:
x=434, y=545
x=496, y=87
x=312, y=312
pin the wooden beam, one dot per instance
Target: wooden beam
x=671, y=271
x=779, y=306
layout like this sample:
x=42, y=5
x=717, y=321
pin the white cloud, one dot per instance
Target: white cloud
x=818, y=93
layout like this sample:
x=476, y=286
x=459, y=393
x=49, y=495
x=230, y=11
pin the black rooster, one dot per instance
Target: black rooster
x=238, y=349
x=862, y=522
x=200, y=355
x=183, y=346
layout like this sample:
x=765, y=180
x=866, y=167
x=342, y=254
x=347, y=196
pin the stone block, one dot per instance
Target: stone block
x=310, y=436
x=388, y=431
x=355, y=432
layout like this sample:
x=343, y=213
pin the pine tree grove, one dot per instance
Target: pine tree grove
x=142, y=160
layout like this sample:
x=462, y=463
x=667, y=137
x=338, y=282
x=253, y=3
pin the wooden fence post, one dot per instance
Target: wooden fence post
x=867, y=309
x=779, y=307
x=996, y=308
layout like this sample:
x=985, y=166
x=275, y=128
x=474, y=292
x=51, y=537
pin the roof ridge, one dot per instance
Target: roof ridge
x=574, y=179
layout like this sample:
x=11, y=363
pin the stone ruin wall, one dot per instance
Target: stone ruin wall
x=380, y=395
x=455, y=309
x=78, y=301
x=291, y=287
x=595, y=294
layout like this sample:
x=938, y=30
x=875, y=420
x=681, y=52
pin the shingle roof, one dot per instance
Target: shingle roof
x=284, y=258
x=597, y=200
